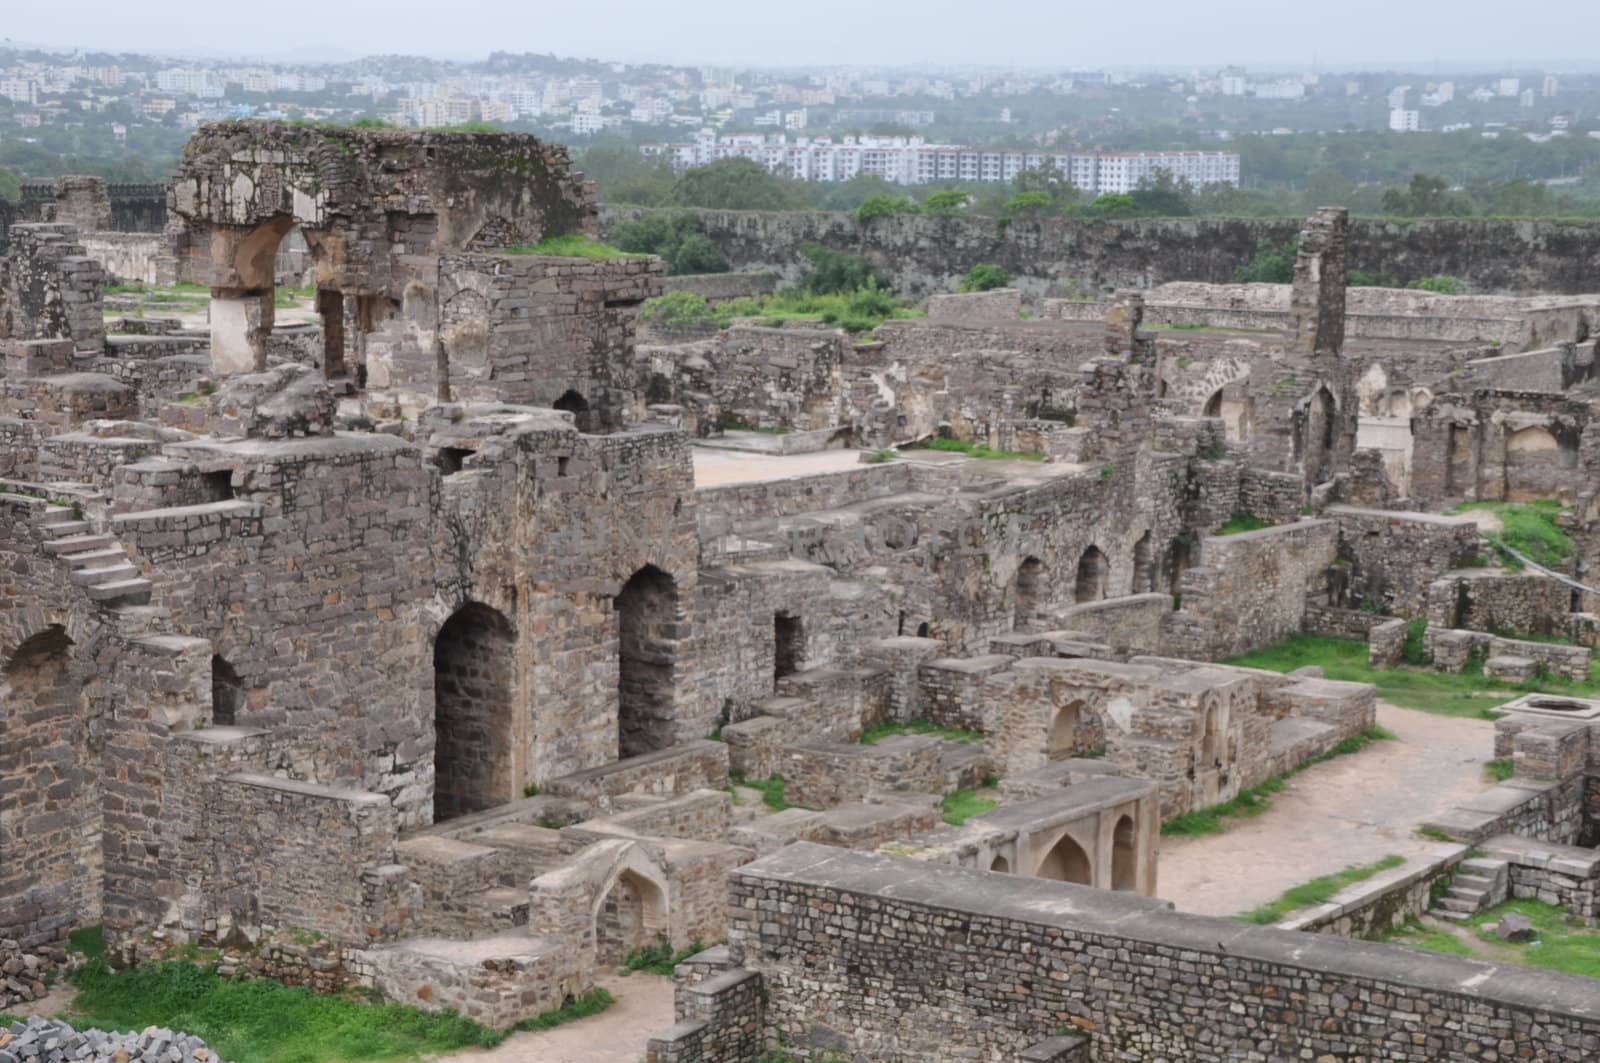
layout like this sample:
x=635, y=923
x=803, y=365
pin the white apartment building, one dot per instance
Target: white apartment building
x=20, y=90
x=201, y=83
x=1404, y=121
x=910, y=161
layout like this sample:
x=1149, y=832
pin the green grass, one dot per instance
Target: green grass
x=979, y=450
x=1498, y=770
x=1256, y=799
x=264, y=1021
x=593, y=1002
x=1529, y=528
x=659, y=959
x=88, y=942
x=881, y=455
x=1560, y=944
x=1242, y=521
x=770, y=789
x=570, y=245
x=962, y=805
x=873, y=735
x=1318, y=891
x=858, y=311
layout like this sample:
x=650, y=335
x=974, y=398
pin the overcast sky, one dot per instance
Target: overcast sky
x=1344, y=34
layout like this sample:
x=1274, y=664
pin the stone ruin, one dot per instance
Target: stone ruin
x=417, y=652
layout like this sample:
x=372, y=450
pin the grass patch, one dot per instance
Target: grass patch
x=88, y=942
x=1256, y=799
x=873, y=735
x=861, y=310
x=659, y=959
x=570, y=245
x=1527, y=527
x=593, y=1002
x=1466, y=693
x=770, y=789
x=1498, y=770
x=265, y=1021
x=962, y=805
x=881, y=455
x=979, y=450
x=1318, y=891
x=1241, y=521
x=1561, y=944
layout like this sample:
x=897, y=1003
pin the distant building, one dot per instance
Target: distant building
x=20, y=90
x=910, y=160
x=1551, y=86
x=1508, y=87
x=1404, y=121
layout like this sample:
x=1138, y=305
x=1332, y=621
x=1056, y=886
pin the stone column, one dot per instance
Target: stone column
x=1317, y=301
x=241, y=321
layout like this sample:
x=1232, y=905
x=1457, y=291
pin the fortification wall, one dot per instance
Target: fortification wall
x=923, y=254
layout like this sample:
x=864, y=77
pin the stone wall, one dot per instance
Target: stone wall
x=50, y=288
x=133, y=258
x=717, y=288
x=1511, y=603
x=1392, y=557
x=1385, y=902
x=899, y=961
x=924, y=254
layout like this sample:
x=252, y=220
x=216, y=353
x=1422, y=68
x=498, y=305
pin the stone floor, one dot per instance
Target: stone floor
x=719, y=468
x=1350, y=810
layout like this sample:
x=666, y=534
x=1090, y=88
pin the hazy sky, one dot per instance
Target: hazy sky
x=1343, y=34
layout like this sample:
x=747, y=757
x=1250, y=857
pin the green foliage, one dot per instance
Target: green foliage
x=984, y=277
x=1106, y=472
x=531, y=790
x=1530, y=528
x=88, y=942
x=1272, y=264
x=1242, y=521
x=678, y=237
x=1163, y=196
x=1425, y=196
x=1499, y=770
x=877, y=733
x=659, y=958
x=569, y=245
x=371, y=122
x=1443, y=284
x=835, y=273
x=1562, y=942
x=10, y=186
x=979, y=450
x=1318, y=891
x=770, y=789
x=882, y=206
x=1415, y=651
x=593, y=1002
x=264, y=1021
x=961, y=805
x=677, y=310
x=881, y=455
x=733, y=184
x=946, y=201
x=1030, y=204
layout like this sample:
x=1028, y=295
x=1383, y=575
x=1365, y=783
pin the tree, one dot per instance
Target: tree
x=1272, y=264
x=1425, y=196
x=624, y=175
x=732, y=184
x=985, y=276
x=1048, y=179
x=833, y=272
x=1112, y=205
x=1030, y=204
x=10, y=187
x=695, y=253
x=1163, y=196
x=1327, y=187
x=679, y=238
x=883, y=206
x=948, y=201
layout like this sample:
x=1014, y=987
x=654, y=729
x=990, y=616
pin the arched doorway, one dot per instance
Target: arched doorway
x=788, y=644
x=1000, y=866
x=1030, y=593
x=632, y=915
x=1314, y=440
x=1124, y=856
x=575, y=404
x=1213, y=406
x=1094, y=571
x=1067, y=862
x=1063, y=732
x=1144, y=563
x=647, y=628
x=1211, y=740
x=472, y=680
x=227, y=693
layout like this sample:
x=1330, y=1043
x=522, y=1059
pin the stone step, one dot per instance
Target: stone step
x=1454, y=917
x=77, y=544
x=66, y=528
x=126, y=592
x=1481, y=883
x=95, y=577
x=1459, y=904
x=94, y=558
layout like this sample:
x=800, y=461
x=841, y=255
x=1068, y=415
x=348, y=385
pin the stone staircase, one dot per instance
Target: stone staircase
x=1479, y=883
x=96, y=562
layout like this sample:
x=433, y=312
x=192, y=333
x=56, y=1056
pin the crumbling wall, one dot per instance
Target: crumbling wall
x=50, y=288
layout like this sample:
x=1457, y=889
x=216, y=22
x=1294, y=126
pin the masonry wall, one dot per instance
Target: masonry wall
x=897, y=962
x=922, y=254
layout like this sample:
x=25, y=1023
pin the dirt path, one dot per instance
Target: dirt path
x=616, y=1035
x=1349, y=810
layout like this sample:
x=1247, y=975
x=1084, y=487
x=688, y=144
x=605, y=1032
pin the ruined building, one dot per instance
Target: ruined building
x=413, y=647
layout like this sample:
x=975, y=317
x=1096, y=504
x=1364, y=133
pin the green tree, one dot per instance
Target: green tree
x=983, y=277
x=732, y=184
x=1425, y=196
x=883, y=206
x=10, y=187
x=679, y=238
x=947, y=201
x=1272, y=264
x=1112, y=205
x=1049, y=180
x=624, y=175
x=1163, y=196
x=833, y=272
x=1326, y=187
x=1030, y=204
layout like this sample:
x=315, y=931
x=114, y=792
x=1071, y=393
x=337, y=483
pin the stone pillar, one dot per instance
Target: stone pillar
x=1317, y=301
x=81, y=201
x=330, y=305
x=241, y=321
x=1123, y=318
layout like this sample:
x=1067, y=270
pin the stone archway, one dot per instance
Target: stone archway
x=1067, y=862
x=1094, y=574
x=473, y=671
x=1316, y=435
x=1063, y=731
x=1124, y=856
x=1031, y=591
x=1144, y=563
x=1000, y=865
x=632, y=915
x=227, y=693
x=648, y=622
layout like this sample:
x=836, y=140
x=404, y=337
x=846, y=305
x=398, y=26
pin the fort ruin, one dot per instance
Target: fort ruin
x=429, y=642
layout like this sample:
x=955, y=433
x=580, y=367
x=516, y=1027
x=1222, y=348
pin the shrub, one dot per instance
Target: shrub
x=882, y=206
x=833, y=272
x=985, y=276
x=1271, y=264
x=677, y=310
x=948, y=201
